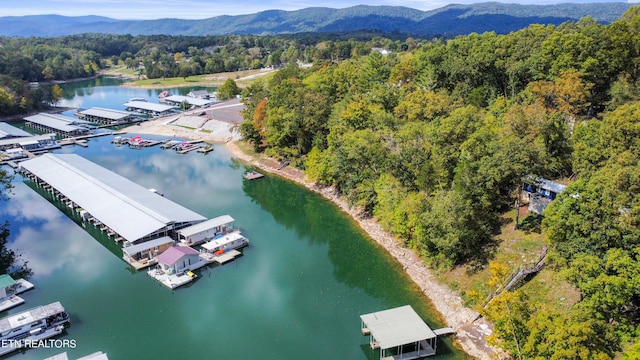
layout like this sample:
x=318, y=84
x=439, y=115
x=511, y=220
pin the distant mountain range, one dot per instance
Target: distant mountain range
x=450, y=20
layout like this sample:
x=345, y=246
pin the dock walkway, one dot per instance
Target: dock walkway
x=15, y=300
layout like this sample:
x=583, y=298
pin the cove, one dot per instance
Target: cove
x=296, y=293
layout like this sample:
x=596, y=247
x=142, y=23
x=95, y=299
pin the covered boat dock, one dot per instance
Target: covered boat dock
x=149, y=108
x=107, y=116
x=122, y=208
x=193, y=102
x=145, y=254
x=59, y=124
x=206, y=230
x=399, y=333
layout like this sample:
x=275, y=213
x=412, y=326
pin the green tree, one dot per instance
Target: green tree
x=228, y=89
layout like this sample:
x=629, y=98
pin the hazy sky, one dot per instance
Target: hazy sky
x=201, y=9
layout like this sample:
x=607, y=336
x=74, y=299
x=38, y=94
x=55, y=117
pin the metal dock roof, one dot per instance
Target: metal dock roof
x=397, y=326
x=190, y=100
x=148, y=106
x=134, y=249
x=8, y=130
x=124, y=206
x=206, y=225
x=58, y=122
x=110, y=114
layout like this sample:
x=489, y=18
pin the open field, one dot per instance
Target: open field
x=242, y=78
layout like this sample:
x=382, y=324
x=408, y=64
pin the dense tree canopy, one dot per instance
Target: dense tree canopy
x=436, y=142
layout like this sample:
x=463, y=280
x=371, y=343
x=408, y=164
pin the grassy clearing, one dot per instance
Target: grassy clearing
x=516, y=249
x=242, y=78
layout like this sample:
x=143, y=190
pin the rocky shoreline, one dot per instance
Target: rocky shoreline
x=470, y=328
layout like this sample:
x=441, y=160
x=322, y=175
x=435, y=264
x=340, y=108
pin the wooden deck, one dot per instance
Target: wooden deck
x=139, y=265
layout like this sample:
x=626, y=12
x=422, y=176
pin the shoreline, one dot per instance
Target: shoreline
x=470, y=328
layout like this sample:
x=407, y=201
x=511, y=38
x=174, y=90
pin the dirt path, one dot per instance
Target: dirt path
x=470, y=330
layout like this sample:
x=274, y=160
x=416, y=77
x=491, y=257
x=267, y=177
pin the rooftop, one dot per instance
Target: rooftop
x=8, y=130
x=397, y=326
x=149, y=106
x=134, y=249
x=124, y=206
x=106, y=113
x=206, y=225
x=175, y=253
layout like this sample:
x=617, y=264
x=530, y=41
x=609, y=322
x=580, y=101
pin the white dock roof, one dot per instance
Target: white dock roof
x=110, y=114
x=8, y=130
x=206, y=225
x=58, y=122
x=189, y=99
x=124, y=206
x=397, y=326
x=149, y=106
x=134, y=249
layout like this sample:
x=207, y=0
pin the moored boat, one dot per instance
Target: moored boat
x=26, y=329
x=225, y=242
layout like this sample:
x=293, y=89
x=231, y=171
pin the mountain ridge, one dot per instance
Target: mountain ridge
x=450, y=20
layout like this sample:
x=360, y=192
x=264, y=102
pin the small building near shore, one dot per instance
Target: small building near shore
x=177, y=259
x=206, y=230
x=199, y=94
x=539, y=193
x=145, y=254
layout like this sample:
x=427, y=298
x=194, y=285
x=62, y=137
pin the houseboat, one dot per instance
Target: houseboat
x=225, y=242
x=25, y=329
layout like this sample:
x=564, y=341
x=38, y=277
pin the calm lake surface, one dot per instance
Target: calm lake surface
x=296, y=293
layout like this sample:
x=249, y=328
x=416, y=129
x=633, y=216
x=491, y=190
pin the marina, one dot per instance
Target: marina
x=308, y=265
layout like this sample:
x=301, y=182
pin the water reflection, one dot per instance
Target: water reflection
x=39, y=229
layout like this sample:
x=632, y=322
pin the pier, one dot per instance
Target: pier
x=399, y=333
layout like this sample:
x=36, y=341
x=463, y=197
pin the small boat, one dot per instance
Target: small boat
x=137, y=99
x=252, y=175
x=163, y=94
x=205, y=149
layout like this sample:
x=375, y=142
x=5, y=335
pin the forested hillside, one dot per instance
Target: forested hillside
x=450, y=20
x=434, y=139
x=50, y=60
x=435, y=143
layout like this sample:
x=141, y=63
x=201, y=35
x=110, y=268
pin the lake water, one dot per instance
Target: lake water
x=296, y=293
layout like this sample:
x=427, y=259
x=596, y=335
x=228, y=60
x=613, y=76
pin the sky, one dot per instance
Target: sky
x=202, y=9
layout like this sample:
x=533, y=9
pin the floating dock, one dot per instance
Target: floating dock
x=14, y=300
x=253, y=175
